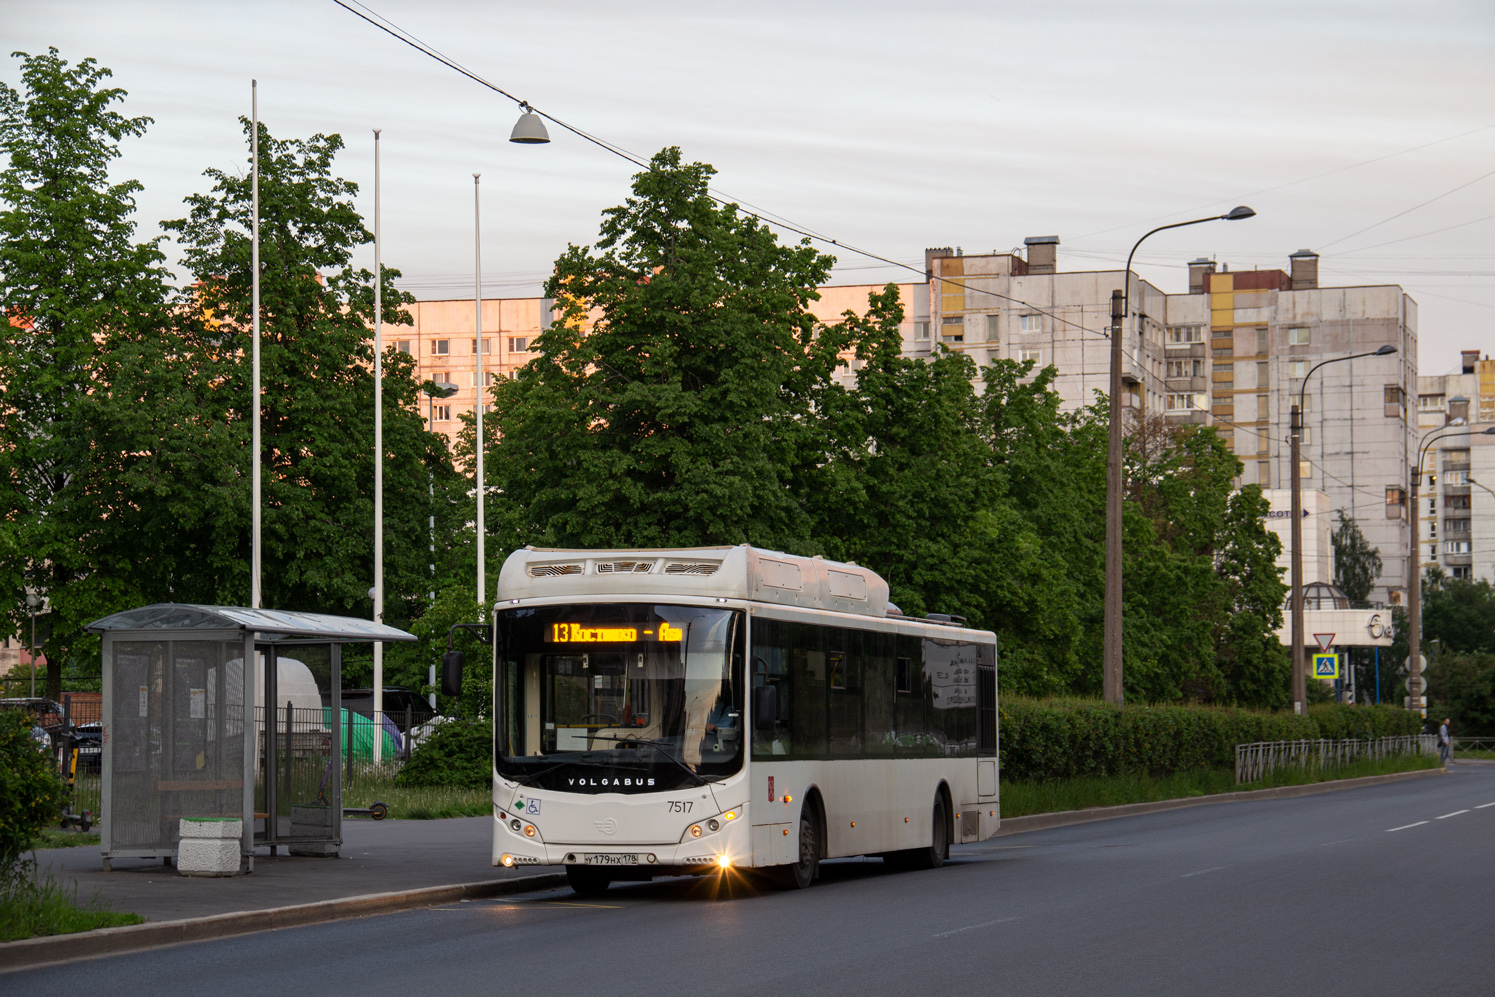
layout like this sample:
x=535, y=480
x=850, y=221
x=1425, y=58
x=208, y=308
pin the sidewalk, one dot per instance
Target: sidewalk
x=378, y=857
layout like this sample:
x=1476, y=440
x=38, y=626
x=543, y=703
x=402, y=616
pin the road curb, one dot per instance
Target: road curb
x=1042, y=822
x=30, y=953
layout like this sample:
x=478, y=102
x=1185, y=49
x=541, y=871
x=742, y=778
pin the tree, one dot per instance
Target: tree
x=72, y=279
x=317, y=398
x=670, y=400
x=1357, y=563
x=1458, y=612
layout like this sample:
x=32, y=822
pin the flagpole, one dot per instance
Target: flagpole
x=477, y=256
x=378, y=468
x=256, y=592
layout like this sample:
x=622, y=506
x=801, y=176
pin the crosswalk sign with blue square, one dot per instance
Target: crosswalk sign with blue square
x=1326, y=666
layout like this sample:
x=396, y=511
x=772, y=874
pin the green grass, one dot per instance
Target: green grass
x=416, y=802
x=51, y=837
x=30, y=907
x=1020, y=799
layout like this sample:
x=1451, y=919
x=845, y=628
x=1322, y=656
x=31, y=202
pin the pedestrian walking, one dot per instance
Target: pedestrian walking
x=1445, y=746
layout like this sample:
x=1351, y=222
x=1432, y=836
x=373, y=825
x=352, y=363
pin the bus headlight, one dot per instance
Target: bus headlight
x=724, y=862
x=695, y=830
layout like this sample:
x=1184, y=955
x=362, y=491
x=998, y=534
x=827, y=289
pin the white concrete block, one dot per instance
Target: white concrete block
x=207, y=857
x=212, y=828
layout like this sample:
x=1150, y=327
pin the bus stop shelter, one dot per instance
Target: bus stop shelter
x=190, y=732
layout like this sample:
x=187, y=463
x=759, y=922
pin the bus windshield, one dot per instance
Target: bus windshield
x=618, y=698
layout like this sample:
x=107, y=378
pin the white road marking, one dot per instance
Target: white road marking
x=1454, y=814
x=1201, y=872
x=972, y=927
x=1339, y=842
x=1405, y=826
x=1483, y=805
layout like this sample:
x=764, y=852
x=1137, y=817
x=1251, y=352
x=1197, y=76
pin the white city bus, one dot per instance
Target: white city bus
x=659, y=712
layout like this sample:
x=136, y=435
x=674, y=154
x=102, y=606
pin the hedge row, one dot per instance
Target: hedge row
x=1062, y=739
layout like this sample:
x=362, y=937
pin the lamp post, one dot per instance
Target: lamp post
x=1112, y=661
x=528, y=130
x=1414, y=567
x=32, y=602
x=1300, y=679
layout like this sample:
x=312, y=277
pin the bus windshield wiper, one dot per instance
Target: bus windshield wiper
x=658, y=743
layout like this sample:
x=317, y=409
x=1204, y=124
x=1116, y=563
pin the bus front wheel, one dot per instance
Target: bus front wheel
x=801, y=874
x=586, y=881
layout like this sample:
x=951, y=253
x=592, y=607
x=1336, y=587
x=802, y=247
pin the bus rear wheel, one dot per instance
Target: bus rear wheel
x=801, y=874
x=586, y=881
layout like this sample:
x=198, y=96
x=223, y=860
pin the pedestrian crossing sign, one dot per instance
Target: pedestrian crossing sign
x=1326, y=666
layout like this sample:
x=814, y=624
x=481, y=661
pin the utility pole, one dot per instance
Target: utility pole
x=1112, y=673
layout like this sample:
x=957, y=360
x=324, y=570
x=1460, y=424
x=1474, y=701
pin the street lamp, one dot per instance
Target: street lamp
x=1300, y=681
x=528, y=130
x=1414, y=566
x=1111, y=673
x=33, y=601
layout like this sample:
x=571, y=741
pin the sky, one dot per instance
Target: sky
x=1362, y=130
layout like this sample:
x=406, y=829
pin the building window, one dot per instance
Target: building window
x=1396, y=499
x=1305, y=435
x=1186, y=368
x=1305, y=469
x=487, y=346
x=993, y=328
x=1297, y=369
x=488, y=378
x=921, y=330
x=1182, y=335
x=1182, y=402
x=1034, y=355
x=1456, y=547
x=443, y=413
x=1430, y=403
x=1457, y=525
x=1456, y=478
x=953, y=329
x=1459, y=571
x=1393, y=400
x=1030, y=323
x=441, y=347
x=518, y=344
x=1298, y=336
x=403, y=346
x=1454, y=502
x=1261, y=342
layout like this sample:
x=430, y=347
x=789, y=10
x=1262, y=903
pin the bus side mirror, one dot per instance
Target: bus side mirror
x=765, y=707
x=451, y=673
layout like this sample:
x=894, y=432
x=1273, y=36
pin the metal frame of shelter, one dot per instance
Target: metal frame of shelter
x=181, y=738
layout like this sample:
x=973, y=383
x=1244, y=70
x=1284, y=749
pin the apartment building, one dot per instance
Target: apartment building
x=1456, y=507
x=1235, y=351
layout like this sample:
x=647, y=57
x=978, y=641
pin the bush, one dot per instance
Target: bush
x=1072, y=738
x=457, y=753
x=31, y=794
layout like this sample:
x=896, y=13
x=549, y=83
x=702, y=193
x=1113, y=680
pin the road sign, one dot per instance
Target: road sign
x=1326, y=641
x=1326, y=666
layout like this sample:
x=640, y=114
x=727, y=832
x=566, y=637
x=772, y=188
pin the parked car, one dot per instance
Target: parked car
x=90, y=741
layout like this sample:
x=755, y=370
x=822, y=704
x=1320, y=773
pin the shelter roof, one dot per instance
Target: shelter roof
x=267, y=624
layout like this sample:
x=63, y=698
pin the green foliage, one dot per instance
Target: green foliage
x=674, y=419
x=457, y=753
x=1068, y=738
x=408, y=664
x=29, y=908
x=1357, y=563
x=317, y=377
x=1340, y=720
x=1457, y=612
x=72, y=279
x=1462, y=688
x=31, y=794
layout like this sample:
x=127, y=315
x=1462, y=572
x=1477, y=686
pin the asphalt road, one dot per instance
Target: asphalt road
x=1381, y=890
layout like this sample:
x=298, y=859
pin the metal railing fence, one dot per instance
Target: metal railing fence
x=1253, y=762
x=1473, y=748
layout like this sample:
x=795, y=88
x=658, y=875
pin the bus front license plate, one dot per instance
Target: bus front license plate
x=612, y=860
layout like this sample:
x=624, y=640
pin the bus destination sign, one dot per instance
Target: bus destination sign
x=586, y=633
